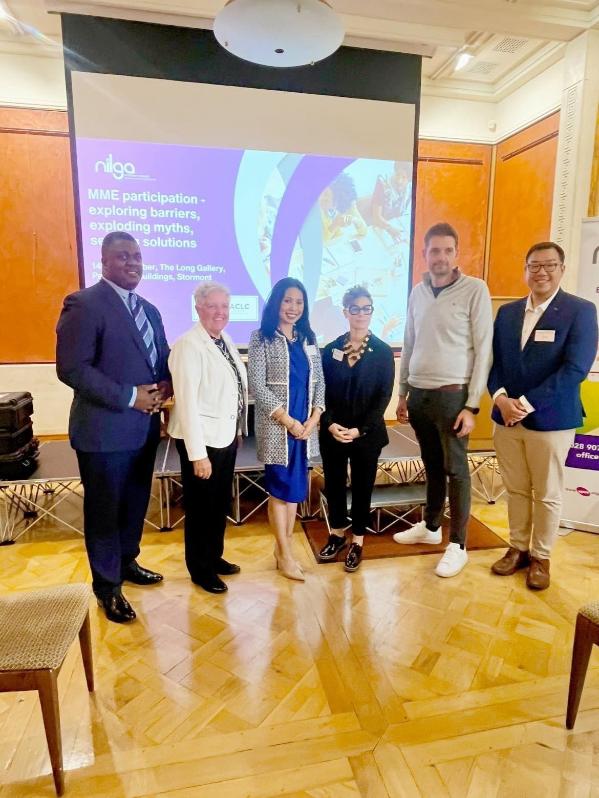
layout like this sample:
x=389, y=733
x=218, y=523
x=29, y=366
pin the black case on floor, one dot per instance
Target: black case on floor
x=20, y=464
x=11, y=442
x=15, y=409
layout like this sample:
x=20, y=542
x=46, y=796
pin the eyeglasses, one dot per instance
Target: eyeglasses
x=549, y=267
x=355, y=310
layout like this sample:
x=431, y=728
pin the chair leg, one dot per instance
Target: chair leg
x=585, y=635
x=85, y=641
x=48, y=695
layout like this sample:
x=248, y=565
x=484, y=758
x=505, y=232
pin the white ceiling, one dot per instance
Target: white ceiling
x=511, y=41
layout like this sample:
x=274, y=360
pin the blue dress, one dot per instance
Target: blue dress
x=290, y=483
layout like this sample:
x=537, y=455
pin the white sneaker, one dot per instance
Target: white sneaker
x=418, y=534
x=452, y=562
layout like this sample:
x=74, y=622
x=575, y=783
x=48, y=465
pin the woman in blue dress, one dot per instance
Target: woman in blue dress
x=285, y=377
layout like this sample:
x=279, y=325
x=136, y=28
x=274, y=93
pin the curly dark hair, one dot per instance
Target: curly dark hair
x=344, y=192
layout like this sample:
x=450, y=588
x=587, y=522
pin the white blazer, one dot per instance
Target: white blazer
x=205, y=387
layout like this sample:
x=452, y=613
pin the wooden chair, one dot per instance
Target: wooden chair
x=585, y=636
x=36, y=631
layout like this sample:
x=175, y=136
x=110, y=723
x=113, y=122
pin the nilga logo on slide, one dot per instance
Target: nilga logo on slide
x=118, y=169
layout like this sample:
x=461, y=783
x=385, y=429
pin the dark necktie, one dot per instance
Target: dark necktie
x=143, y=325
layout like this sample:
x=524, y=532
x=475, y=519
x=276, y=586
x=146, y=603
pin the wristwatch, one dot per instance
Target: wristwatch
x=474, y=410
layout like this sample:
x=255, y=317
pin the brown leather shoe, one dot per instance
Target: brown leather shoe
x=538, y=574
x=512, y=560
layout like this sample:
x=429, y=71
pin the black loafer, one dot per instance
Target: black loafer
x=210, y=582
x=353, y=558
x=116, y=608
x=332, y=547
x=225, y=568
x=141, y=576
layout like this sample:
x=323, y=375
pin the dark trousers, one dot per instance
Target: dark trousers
x=363, y=459
x=207, y=502
x=117, y=488
x=432, y=415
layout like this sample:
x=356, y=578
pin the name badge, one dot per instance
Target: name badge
x=337, y=354
x=311, y=350
x=545, y=336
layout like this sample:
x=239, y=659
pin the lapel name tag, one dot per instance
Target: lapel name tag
x=337, y=354
x=545, y=336
x=311, y=350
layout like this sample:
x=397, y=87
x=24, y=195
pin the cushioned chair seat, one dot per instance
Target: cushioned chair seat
x=37, y=628
x=36, y=631
x=591, y=611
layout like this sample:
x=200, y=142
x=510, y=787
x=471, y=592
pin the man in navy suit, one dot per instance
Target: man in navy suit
x=543, y=348
x=112, y=350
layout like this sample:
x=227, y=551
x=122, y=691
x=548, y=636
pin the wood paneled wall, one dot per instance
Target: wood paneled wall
x=522, y=202
x=37, y=231
x=37, y=222
x=453, y=186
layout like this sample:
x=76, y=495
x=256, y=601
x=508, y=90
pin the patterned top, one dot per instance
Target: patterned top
x=268, y=375
x=229, y=358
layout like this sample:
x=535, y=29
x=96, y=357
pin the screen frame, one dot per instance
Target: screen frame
x=140, y=49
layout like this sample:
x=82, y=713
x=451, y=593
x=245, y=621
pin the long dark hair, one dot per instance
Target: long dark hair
x=270, y=314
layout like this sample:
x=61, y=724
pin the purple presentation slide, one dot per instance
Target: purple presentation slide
x=246, y=218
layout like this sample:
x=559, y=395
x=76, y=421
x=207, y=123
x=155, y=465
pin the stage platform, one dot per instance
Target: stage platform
x=25, y=502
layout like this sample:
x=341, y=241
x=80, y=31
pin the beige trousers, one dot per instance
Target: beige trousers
x=532, y=468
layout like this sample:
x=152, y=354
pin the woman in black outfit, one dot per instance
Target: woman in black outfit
x=359, y=373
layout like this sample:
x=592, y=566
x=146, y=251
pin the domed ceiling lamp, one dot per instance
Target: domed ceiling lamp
x=279, y=33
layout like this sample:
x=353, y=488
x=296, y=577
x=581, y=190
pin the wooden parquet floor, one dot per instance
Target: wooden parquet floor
x=388, y=683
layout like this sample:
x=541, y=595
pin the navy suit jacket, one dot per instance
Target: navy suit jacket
x=548, y=374
x=101, y=355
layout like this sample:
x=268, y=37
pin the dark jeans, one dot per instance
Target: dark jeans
x=363, y=461
x=207, y=502
x=432, y=415
x=117, y=488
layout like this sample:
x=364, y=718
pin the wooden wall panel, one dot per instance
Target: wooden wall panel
x=522, y=202
x=37, y=231
x=453, y=186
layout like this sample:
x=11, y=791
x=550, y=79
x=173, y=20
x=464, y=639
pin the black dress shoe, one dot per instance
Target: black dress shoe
x=210, y=582
x=117, y=608
x=331, y=548
x=353, y=558
x=225, y=568
x=141, y=576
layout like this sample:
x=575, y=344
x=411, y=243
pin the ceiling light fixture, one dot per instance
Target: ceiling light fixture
x=280, y=33
x=463, y=60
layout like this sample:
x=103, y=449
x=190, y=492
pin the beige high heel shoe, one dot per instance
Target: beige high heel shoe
x=289, y=568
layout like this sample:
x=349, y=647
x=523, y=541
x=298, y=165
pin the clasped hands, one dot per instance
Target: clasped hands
x=343, y=434
x=294, y=427
x=150, y=398
x=512, y=410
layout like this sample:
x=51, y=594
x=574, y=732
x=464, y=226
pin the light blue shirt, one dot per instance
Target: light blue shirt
x=124, y=295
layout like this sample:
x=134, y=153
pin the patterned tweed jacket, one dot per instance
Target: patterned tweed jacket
x=268, y=376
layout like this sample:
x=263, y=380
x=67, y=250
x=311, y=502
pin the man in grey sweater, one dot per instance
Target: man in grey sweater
x=444, y=366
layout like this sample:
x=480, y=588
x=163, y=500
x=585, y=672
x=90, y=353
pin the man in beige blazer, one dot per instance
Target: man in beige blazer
x=210, y=386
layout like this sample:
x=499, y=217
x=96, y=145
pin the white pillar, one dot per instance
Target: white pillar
x=580, y=105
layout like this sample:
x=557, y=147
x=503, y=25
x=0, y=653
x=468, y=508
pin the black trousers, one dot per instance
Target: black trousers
x=432, y=416
x=363, y=458
x=117, y=488
x=207, y=502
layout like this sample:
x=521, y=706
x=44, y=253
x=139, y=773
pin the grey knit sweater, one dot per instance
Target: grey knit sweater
x=448, y=339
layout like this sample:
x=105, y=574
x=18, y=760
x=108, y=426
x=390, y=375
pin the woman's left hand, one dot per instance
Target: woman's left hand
x=353, y=433
x=309, y=427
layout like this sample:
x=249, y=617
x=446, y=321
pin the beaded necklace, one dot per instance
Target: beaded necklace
x=354, y=354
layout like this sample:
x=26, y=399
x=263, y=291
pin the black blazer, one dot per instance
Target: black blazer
x=358, y=396
x=101, y=355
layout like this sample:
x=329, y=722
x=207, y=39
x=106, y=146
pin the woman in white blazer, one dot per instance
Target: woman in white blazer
x=210, y=387
x=285, y=376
